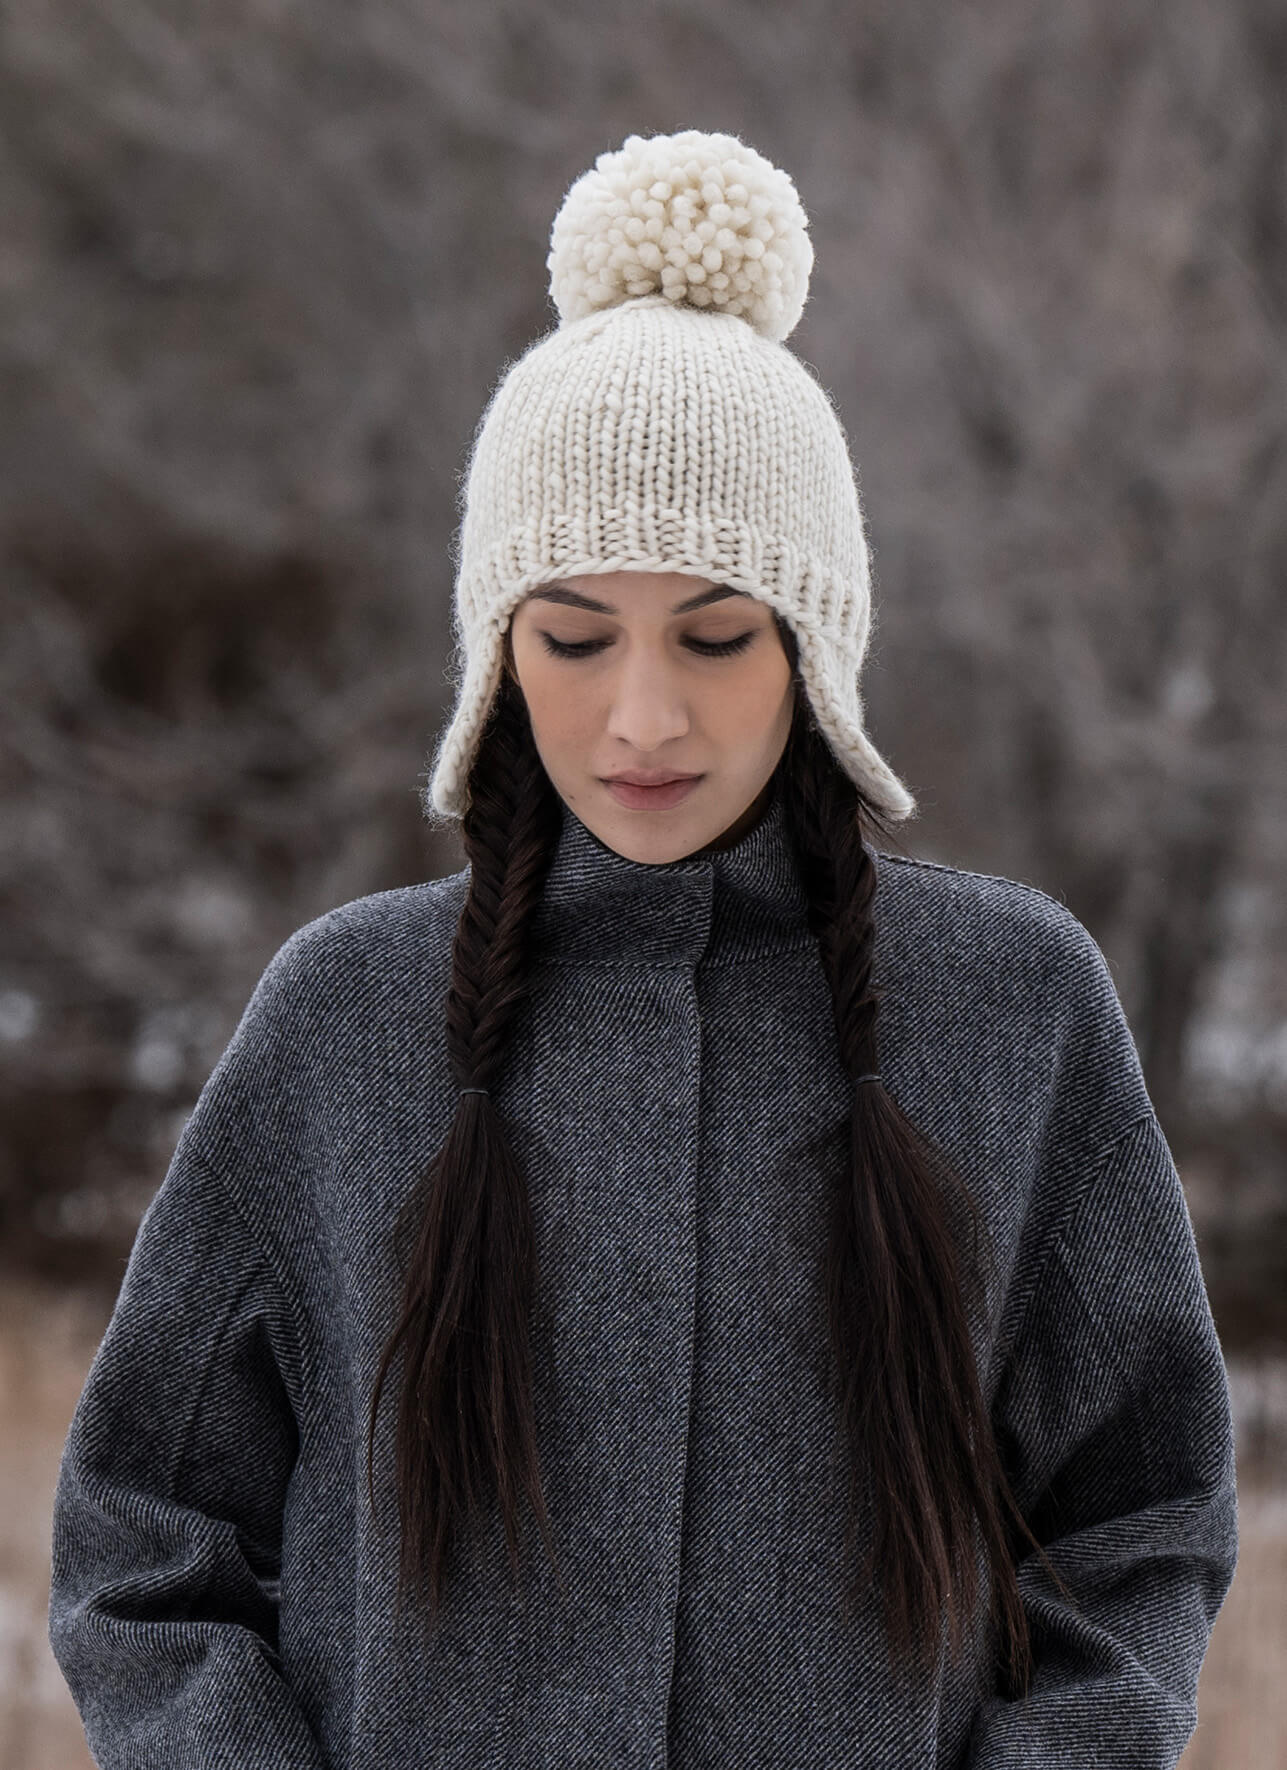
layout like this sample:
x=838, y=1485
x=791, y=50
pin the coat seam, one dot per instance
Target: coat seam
x=1060, y=1251
x=183, y=1443
x=263, y=1256
x=940, y=866
x=1057, y=1249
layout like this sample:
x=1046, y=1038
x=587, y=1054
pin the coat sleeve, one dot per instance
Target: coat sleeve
x=167, y=1520
x=1114, y=1420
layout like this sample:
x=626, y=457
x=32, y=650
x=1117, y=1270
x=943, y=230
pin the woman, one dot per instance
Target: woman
x=694, y=1287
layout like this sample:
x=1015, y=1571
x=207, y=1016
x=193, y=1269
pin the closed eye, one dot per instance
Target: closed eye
x=709, y=648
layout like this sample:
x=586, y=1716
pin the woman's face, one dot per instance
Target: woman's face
x=658, y=687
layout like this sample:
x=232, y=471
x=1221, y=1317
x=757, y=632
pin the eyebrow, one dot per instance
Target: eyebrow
x=574, y=599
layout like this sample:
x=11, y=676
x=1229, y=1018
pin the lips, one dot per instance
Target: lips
x=638, y=778
x=651, y=798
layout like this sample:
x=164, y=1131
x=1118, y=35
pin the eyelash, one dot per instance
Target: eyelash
x=705, y=648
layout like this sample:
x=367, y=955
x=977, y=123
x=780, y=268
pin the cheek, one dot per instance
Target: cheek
x=559, y=716
x=751, y=705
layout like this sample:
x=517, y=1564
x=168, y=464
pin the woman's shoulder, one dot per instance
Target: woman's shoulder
x=982, y=916
x=1016, y=984
x=332, y=1001
x=404, y=916
x=363, y=949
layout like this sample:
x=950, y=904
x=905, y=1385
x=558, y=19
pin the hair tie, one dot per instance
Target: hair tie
x=473, y=1090
x=867, y=1078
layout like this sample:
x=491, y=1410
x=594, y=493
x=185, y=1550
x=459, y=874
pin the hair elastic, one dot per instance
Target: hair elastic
x=473, y=1090
x=867, y=1078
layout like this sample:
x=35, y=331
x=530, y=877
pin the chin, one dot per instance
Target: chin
x=653, y=848
x=667, y=840
x=654, y=838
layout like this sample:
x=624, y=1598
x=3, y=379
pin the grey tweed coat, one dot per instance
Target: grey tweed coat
x=220, y=1593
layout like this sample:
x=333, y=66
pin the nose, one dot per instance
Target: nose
x=648, y=704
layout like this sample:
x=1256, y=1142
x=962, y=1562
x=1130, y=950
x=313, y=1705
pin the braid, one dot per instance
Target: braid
x=509, y=831
x=899, y=1292
x=465, y=1424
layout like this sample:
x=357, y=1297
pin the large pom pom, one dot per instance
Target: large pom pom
x=700, y=218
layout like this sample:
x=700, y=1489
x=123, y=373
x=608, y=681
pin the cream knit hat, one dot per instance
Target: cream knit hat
x=664, y=426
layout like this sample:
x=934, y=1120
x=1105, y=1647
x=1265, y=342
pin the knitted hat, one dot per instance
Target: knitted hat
x=664, y=426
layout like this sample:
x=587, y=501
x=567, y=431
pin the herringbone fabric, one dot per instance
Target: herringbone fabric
x=220, y=1594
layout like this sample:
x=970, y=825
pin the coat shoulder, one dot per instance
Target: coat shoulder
x=374, y=947
x=985, y=915
x=1019, y=989
x=337, y=1005
x=405, y=914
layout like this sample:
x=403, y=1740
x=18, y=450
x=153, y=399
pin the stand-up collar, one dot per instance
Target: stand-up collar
x=598, y=908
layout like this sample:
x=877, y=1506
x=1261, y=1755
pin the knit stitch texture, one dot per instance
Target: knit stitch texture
x=662, y=427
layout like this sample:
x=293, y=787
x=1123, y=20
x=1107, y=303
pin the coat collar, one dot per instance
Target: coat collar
x=598, y=908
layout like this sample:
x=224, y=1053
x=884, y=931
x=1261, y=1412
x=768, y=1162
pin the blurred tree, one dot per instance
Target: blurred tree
x=261, y=266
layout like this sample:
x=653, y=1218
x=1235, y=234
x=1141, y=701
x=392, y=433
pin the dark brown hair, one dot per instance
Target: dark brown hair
x=901, y=1288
